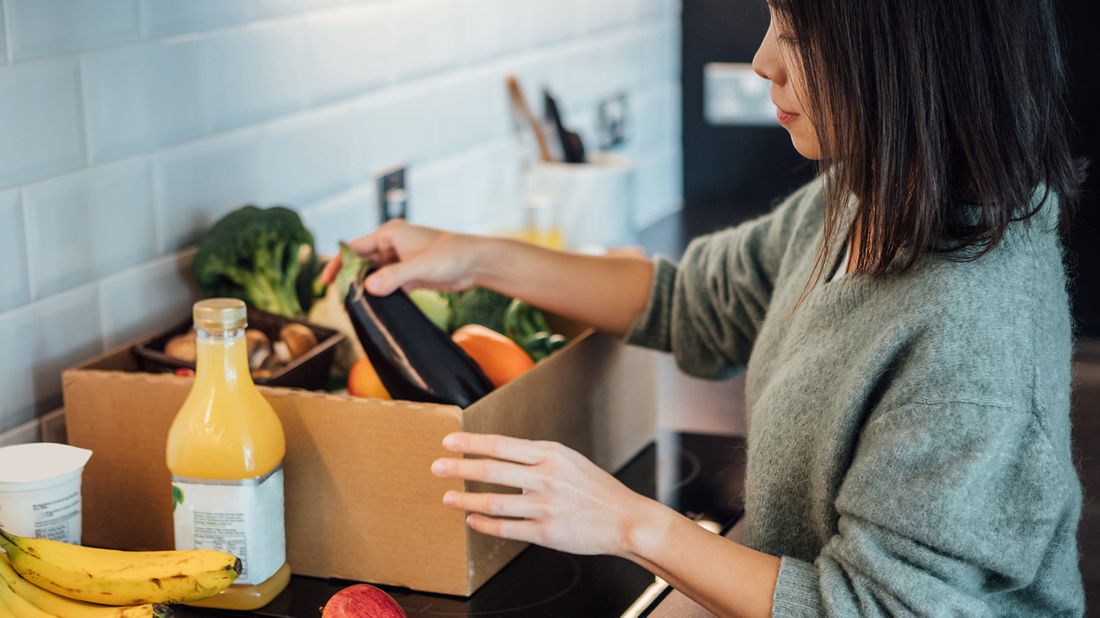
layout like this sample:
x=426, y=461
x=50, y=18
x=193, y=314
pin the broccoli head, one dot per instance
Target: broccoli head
x=479, y=306
x=252, y=254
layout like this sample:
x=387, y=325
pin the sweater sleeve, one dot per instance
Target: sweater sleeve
x=707, y=310
x=943, y=504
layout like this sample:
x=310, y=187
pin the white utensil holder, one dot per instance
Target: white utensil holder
x=594, y=200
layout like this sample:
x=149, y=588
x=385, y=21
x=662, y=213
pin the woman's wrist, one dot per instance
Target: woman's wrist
x=486, y=255
x=644, y=528
x=496, y=262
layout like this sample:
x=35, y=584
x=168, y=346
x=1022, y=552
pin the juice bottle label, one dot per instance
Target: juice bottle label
x=244, y=518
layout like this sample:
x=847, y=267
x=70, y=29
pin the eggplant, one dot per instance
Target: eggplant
x=414, y=358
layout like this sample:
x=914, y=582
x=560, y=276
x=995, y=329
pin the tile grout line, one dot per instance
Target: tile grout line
x=82, y=104
x=24, y=212
x=8, y=54
x=156, y=199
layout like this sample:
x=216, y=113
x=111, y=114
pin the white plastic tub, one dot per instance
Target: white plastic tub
x=40, y=490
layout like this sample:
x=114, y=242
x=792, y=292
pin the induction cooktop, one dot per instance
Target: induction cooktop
x=699, y=475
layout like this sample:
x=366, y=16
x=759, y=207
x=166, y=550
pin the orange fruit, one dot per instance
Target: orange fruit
x=499, y=357
x=363, y=381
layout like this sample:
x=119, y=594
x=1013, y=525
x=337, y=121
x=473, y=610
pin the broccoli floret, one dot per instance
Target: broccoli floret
x=479, y=306
x=252, y=254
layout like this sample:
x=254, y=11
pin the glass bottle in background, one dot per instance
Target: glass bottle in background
x=225, y=452
x=540, y=222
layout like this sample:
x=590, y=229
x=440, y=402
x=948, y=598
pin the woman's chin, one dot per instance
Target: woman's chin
x=806, y=145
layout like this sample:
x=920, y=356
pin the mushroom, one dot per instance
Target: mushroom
x=259, y=348
x=299, y=339
x=182, y=347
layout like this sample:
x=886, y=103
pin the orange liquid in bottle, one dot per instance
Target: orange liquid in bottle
x=225, y=451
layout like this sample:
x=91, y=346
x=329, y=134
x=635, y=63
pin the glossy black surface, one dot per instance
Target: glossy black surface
x=697, y=474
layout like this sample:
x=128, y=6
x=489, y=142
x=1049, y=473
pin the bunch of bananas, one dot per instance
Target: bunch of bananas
x=41, y=578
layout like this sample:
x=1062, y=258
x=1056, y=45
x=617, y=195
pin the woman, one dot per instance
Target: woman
x=903, y=318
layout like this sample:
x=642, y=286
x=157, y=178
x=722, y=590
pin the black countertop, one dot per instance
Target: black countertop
x=699, y=475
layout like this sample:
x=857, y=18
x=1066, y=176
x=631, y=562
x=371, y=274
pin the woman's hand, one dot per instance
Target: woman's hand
x=570, y=504
x=567, y=503
x=607, y=292
x=416, y=257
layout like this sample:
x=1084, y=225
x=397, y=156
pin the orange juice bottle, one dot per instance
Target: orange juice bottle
x=225, y=451
x=540, y=225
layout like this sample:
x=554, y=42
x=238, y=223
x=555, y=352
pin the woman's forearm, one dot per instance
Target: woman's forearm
x=727, y=578
x=607, y=292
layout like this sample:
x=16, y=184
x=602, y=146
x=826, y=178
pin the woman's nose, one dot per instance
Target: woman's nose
x=767, y=62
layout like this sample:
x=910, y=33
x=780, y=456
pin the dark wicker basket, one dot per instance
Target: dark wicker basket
x=309, y=371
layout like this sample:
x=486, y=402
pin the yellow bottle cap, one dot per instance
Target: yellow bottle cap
x=220, y=314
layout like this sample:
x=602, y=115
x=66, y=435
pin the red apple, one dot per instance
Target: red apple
x=362, y=601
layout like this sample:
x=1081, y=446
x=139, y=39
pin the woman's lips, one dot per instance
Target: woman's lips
x=785, y=118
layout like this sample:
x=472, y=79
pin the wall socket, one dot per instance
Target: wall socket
x=393, y=199
x=733, y=94
x=612, y=122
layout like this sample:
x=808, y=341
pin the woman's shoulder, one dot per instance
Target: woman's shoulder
x=1026, y=263
x=996, y=328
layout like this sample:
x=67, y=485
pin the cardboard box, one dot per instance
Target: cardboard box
x=361, y=503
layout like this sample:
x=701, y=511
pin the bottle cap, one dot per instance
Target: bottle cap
x=220, y=314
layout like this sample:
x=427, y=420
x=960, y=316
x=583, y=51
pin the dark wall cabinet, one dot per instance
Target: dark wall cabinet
x=733, y=173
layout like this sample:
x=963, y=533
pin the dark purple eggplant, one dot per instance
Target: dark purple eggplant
x=414, y=358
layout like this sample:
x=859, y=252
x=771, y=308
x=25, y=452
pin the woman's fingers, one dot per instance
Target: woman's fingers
x=490, y=471
x=328, y=275
x=499, y=447
x=366, y=246
x=516, y=529
x=497, y=505
x=400, y=274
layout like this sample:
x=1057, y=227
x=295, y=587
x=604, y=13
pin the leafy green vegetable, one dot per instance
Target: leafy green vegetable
x=522, y=320
x=252, y=254
x=434, y=305
x=350, y=267
x=542, y=344
x=528, y=327
x=479, y=306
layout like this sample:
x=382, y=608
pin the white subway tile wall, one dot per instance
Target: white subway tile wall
x=129, y=126
x=49, y=27
x=89, y=224
x=14, y=277
x=40, y=120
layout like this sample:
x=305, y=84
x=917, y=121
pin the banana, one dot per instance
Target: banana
x=18, y=606
x=4, y=611
x=67, y=608
x=118, y=577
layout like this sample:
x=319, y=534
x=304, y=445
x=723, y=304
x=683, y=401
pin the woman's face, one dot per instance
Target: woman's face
x=777, y=60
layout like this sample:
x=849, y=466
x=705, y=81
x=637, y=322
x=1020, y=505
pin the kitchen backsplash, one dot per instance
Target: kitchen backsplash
x=128, y=126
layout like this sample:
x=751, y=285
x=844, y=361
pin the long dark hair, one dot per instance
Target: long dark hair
x=942, y=117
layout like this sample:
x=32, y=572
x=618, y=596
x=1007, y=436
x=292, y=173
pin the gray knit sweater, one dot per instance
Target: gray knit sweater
x=909, y=436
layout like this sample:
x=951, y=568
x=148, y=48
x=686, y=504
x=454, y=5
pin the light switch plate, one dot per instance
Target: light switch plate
x=612, y=115
x=393, y=199
x=735, y=95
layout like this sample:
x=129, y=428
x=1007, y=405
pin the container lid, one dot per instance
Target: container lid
x=25, y=466
x=220, y=314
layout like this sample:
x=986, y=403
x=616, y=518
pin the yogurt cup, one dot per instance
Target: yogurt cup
x=40, y=490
